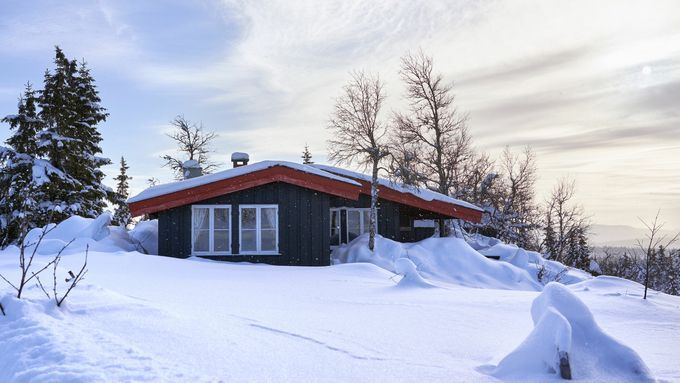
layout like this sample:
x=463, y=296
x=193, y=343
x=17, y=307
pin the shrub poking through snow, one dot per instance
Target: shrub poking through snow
x=27, y=273
x=567, y=341
x=72, y=279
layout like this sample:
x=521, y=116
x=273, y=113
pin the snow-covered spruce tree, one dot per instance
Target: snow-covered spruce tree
x=307, y=156
x=122, y=216
x=70, y=111
x=20, y=196
x=358, y=135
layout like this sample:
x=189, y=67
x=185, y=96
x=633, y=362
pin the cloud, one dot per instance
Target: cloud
x=565, y=77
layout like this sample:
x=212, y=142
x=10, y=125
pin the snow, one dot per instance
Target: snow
x=240, y=156
x=145, y=234
x=140, y=317
x=160, y=190
x=409, y=272
x=97, y=233
x=190, y=164
x=565, y=326
x=424, y=194
x=449, y=259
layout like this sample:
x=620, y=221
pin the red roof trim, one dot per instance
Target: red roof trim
x=306, y=180
x=435, y=206
x=246, y=181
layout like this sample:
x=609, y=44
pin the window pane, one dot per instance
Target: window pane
x=201, y=240
x=221, y=218
x=248, y=218
x=248, y=240
x=353, y=224
x=268, y=238
x=367, y=220
x=335, y=227
x=268, y=218
x=201, y=219
x=222, y=240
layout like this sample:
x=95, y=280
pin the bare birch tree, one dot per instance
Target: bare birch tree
x=654, y=240
x=194, y=142
x=565, y=225
x=434, y=125
x=358, y=135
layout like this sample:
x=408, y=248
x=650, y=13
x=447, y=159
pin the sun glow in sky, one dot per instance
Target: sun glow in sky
x=593, y=87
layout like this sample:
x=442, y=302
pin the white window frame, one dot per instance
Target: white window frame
x=258, y=230
x=211, y=230
x=362, y=227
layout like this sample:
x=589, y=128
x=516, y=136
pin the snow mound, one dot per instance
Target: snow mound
x=97, y=233
x=531, y=261
x=411, y=278
x=145, y=234
x=44, y=343
x=567, y=340
x=448, y=259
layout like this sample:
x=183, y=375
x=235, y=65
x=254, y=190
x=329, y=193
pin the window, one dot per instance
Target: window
x=211, y=229
x=335, y=227
x=356, y=222
x=259, y=229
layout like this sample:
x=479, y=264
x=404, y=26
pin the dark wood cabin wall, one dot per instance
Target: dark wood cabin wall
x=304, y=221
x=388, y=214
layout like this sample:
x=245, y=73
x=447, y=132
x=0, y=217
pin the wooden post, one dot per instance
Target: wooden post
x=565, y=367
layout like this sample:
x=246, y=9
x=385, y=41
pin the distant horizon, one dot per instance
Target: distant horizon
x=596, y=97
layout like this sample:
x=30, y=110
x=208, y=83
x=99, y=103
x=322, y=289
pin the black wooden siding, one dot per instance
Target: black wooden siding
x=388, y=214
x=304, y=224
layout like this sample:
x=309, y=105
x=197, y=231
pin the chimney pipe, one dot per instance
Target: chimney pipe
x=191, y=169
x=239, y=159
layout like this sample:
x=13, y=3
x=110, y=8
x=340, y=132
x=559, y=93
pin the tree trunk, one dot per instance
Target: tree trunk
x=374, y=205
x=442, y=228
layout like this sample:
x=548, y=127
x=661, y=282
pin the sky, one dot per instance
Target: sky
x=592, y=87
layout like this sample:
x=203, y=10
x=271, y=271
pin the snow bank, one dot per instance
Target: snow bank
x=145, y=234
x=411, y=278
x=446, y=259
x=565, y=330
x=97, y=233
x=531, y=261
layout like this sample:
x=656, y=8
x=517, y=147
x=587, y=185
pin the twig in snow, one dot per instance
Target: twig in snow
x=41, y=286
x=74, y=279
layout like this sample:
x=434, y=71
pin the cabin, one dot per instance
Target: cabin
x=284, y=213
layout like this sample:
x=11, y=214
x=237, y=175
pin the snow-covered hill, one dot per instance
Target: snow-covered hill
x=148, y=318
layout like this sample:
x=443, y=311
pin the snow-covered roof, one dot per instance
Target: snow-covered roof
x=424, y=194
x=159, y=190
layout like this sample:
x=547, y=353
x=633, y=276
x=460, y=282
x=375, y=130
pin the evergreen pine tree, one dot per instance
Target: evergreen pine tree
x=20, y=176
x=307, y=156
x=584, y=252
x=121, y=215
x=70, y=141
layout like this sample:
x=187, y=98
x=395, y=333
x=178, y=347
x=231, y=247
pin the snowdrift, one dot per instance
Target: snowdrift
x=97, y=233
x=567, y=341
x=531, y=261
x=445, y=259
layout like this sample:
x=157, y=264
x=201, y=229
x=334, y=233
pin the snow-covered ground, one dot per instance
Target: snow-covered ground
x=148, y=318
